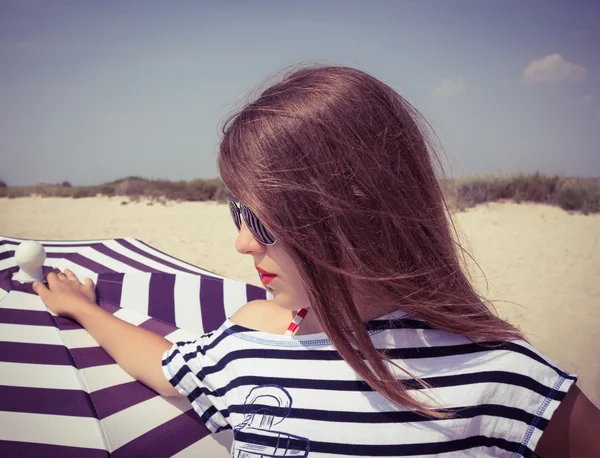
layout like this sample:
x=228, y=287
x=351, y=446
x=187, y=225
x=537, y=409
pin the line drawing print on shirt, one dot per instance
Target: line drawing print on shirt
x=254, y=438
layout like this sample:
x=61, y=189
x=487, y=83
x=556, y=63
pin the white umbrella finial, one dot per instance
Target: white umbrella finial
x=30, y=257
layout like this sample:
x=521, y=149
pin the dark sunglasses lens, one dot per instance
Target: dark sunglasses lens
x=257, y=228
x=235, y=214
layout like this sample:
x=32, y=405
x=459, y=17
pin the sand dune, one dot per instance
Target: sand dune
x=542, y=263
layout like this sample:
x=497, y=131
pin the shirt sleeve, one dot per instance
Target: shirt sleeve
x=539, y=386
x=183, y=366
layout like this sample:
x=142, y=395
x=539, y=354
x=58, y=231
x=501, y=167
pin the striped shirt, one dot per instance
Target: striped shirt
x=295, y=395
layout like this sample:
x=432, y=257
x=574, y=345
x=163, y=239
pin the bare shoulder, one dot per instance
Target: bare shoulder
x=263, y=315
x=251, y=310
x=573, y=429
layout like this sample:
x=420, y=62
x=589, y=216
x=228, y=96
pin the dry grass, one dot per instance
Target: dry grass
x=132, y=187
x=571, y=194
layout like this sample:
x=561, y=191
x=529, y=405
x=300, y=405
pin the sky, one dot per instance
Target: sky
x=92, y=91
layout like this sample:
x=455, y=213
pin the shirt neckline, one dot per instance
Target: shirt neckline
x=316, y=338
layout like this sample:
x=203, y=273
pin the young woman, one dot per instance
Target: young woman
x=337, y=201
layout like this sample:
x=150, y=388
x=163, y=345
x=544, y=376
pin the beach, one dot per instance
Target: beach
x=542, y=264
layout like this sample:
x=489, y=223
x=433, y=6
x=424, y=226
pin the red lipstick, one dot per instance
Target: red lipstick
x=265, y=277
x=263, y=271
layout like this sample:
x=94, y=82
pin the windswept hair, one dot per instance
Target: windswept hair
x=340, y=169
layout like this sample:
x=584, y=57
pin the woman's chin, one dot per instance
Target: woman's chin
x=281, y=302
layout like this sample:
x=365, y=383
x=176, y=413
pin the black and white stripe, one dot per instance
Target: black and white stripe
x=502, y=397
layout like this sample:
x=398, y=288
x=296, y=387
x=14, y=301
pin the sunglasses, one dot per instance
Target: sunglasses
x=238, y=211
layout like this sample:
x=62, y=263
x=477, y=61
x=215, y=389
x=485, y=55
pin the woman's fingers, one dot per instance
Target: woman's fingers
x=88, y=284
x=40, y=289
x=70, y=275
x=89, y=289
x=61, y=276
x=52, y=279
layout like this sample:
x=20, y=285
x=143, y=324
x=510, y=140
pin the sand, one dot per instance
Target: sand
x=542, y=263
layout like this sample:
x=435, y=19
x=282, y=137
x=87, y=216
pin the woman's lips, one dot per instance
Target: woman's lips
x=263, y=271
x=266, y=279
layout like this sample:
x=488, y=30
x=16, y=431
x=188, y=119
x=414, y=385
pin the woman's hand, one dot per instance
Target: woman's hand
x=137, y=350
x=65, y=293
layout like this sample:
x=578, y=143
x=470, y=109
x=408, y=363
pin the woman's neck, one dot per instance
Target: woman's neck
x=309, y=325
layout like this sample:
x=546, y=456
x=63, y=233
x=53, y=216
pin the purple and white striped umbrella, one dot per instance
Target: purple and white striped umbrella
x=62, y=395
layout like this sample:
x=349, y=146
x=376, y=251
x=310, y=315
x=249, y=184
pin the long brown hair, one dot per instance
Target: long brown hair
x=340, y=169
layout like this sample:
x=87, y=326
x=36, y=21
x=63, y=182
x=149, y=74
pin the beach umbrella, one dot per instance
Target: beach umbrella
x=62, y=395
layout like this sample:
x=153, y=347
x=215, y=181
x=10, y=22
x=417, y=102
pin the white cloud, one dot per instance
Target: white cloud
x=553, y=69
x=587, y=99
x=450, y=87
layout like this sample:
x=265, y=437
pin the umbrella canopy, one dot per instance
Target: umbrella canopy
x=62, y=395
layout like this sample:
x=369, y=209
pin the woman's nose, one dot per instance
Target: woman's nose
x=245, y=243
